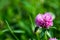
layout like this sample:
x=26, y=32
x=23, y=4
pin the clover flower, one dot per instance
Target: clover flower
x=44, y=20
x=52, y=39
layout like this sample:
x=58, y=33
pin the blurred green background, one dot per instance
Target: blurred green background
x=17, y=18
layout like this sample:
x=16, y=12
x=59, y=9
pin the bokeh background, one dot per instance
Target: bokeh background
x=17, y=18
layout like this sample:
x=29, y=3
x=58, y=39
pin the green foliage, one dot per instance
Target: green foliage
x=17, y=19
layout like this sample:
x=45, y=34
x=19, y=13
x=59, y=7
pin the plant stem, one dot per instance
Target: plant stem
x=45, y=36
x=11, y=30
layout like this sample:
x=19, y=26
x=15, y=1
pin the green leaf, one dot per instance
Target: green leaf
x=53, y=27
x=11, y=30
x=15, y=31
x=48, y=34
x=18, y=31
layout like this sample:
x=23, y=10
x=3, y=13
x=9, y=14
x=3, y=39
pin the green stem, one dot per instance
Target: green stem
x=45, y=36
x=11, y=30
x=31, y=22
x=38, y=37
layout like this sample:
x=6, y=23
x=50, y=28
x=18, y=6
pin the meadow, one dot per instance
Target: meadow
x=17, y=19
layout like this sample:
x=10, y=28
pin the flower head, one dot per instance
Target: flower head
x=44, y=20
x=52, y=39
